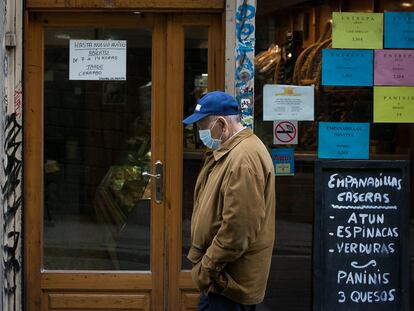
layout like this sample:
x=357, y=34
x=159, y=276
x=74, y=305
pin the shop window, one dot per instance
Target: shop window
x=96, y=145
x=289, y=43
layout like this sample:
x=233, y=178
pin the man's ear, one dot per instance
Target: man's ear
x=225, y=125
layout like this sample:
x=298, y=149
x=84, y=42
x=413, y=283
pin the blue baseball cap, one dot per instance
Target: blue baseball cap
x=215, y=103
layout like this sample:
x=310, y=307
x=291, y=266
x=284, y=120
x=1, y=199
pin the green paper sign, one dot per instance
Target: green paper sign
x=357, y=30
x=394, y=104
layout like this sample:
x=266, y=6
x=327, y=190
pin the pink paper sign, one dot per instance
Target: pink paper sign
x=394, y=67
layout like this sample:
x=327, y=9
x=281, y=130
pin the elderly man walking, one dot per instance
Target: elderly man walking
x=233, y=221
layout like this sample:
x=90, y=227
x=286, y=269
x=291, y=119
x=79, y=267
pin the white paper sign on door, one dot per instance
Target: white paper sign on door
x=97, y=59
x=288, y=102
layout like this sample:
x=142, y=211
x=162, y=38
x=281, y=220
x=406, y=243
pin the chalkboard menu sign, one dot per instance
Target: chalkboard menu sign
x=361, y=259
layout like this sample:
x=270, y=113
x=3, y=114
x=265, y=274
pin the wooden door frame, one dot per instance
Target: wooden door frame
x=183, y=295
x=169, y=72
x=39, y=283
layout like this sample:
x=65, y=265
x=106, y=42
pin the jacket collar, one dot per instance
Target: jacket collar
x=231, y=143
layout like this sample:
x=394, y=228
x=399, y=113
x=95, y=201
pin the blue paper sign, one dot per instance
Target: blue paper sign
x=343, y=140
x=284, y=161
x=347, y=67
x=399, y=30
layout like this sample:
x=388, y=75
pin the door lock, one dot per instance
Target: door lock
x=159, y=192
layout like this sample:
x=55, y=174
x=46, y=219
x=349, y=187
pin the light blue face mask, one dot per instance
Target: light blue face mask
x=208, y=140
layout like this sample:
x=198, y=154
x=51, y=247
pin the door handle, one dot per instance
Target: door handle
x=159, y=191
x=158, y=176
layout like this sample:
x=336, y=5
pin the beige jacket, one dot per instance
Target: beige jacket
x=233, y=221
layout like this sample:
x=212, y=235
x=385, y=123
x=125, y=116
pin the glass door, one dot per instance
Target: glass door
x=95, y=143
x=109, y=168
x=197, y=66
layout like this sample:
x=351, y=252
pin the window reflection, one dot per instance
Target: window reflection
x=195, y=85
x=96, y=145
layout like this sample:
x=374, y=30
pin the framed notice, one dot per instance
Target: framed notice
x=394, y=67
x=97, y=59
x=393, y=104
x=399, y=30
x=361, y=257
x=357, y=30
x=347, y=67
x=288, y=102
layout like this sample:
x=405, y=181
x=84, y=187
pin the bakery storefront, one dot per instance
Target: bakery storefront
x=109, y=168
x=293, y=39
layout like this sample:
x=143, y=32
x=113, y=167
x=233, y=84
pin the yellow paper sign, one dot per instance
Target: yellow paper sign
x=357, y=30
x=394, y=104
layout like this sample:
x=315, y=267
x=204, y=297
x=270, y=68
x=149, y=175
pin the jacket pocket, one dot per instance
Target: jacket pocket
x=201, y=277
x=231, y=290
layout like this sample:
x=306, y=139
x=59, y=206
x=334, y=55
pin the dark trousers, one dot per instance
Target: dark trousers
x=215, y=302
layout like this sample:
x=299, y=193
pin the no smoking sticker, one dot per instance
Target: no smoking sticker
x=285, y=132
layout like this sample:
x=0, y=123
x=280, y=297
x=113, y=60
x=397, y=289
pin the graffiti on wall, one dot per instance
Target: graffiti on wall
x=12, y=199
x=245, y=42
x=12, y=203
x=18, y=100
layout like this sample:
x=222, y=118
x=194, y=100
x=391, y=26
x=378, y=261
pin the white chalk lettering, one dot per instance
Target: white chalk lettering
x=342, y=297
x=368, y=197
x=373, y=296
x=366, y=232
x=363, y=218
x=366, y=278
x=365, y=248
x=349, y=181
